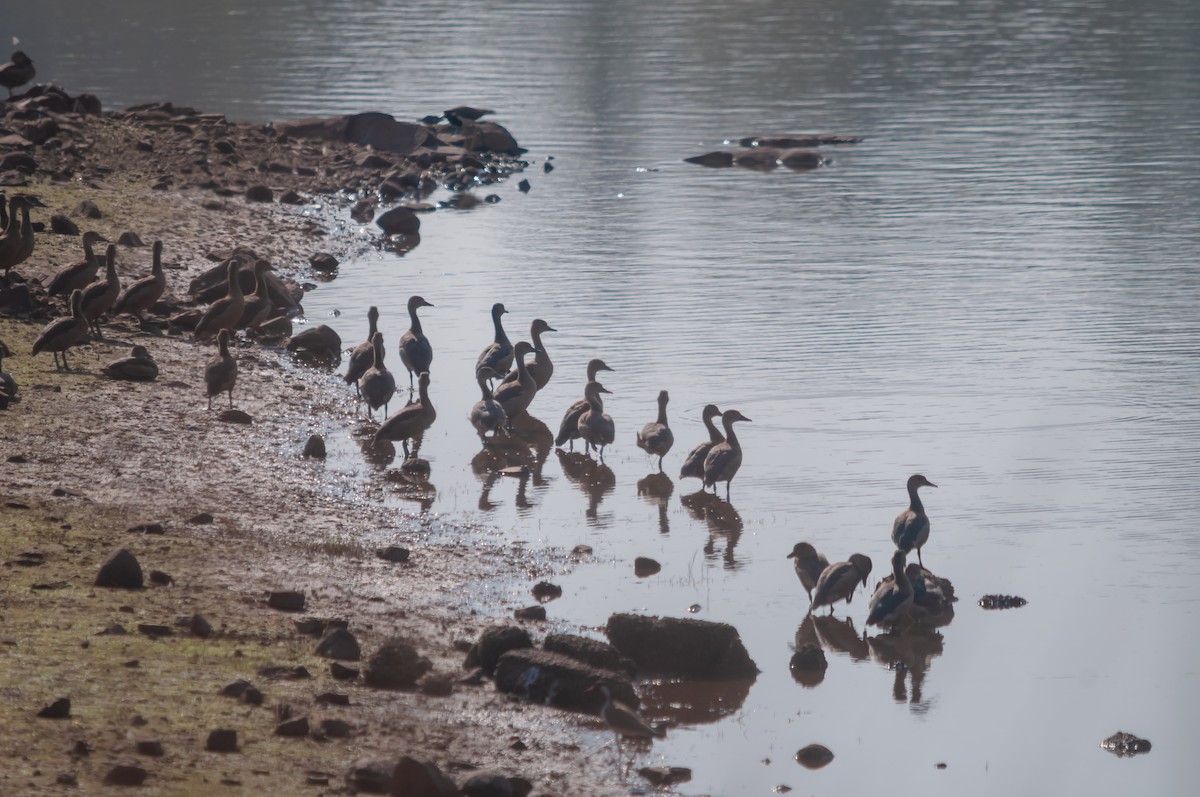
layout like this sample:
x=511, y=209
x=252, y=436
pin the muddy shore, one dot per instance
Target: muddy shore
x=87, y=461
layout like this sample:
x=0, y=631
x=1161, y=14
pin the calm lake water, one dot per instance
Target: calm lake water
x=999, y=288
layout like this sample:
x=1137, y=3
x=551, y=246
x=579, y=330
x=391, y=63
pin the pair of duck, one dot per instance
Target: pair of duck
x=906, y=596
x=367, y=371
x=16, y=237
x=496, y=409
x=586, y=419
x=237, y=309
x=720, y=457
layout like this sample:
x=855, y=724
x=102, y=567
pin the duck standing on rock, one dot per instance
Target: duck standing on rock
x=220, y=374
x=416, y=352
x=724, y=460
x=225, y=312
x=410, y=421
x=17, y=72
x=911, y=528
x=499, y=354
x=809, y=565
x=377, y=385
x=568, y=430
x=63, y=333
x=540, y=367
x=693, y=464
x=145, y=292
x=364, y=353
x=839, y=580
x=657, y=438
x=139, y=366
x=81, y=273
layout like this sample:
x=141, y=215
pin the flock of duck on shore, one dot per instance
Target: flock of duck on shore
x=509, y=377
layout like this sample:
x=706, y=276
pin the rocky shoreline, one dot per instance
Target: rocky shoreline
x=220, y=521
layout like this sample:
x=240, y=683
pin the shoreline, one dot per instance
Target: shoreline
x=87, y=459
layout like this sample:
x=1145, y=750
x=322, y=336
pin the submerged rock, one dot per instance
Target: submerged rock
x=552, y=679
x=814, y=756
x=681, y=646
x=1124, y=744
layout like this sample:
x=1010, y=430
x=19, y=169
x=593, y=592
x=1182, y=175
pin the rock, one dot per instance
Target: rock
x=20, y=161
x=67, y=779
x=758, y=158
x=713, y=160
x=376, y=130
x=154, y=630
x=420, y=777
x=222, y=740
x=491, y=137
x=160, y=579
x=801, y=159
x=252, y=696
x=589, y=651
x=88, y=209
x=237, y=688
x=61, y=225
x=283, y=672
x=260, y=193
x=645, y=566
x=530, y=613
x=523, y=186
x=147, y=528
x=552, y=679
x=42, y=131
x=662, y=777
x=320, y=342
x=295, y=728
x=120, y=570
x=371, y=776
x=332, y=699
x=339, y=643
x=814, y=756
x=235, y=416
x=363, y=210
x=487, y=784
x=395, y=665
x=681, y=646
x=130, y=238
x=292, y=197
x=334, y=729
x=545, y=591
x=399, y=221
x=494, y=643
x=202, y=519
x=436, y=686
x=1125, y=744
x=341, y=672
x=808, y=665
x=393, y=553
x=286, y=600
x=323, y=262
x=126, y=775
x=150, y=747
x=315, y=447
x=59, y=709
x=1002, y=602
x=199, y=626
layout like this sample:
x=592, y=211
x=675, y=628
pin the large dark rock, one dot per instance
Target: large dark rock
x=286, y=600
x=494, y=643
x=589, y=651
x=377, y=130
x=222, y=740
x=396, y=665
x=121, y=570
x=553, y=679
x=339, y=644
x=399, y=221
x=125, y=775
x=409, y=776
x=714, y=160
x=372, y=776
x=493, y=784
x=681, y=646
x=490, y=137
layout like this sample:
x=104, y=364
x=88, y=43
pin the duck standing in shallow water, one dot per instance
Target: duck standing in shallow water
x=540, y=367
x=911, y=529
x=891, y=602
x=568, y=430
x=63, y=333
x=693, y=464
x=416, y=352
x=139, y=366
x=409, y=421
x=499, y=354
x=364, y=353
x=623, y=720
x=657, y=438
x=220, y=374
x=595, y=426
x=377, y=385
x=809, y=566
x=99, y=297
x=839, y=580
x=142, y=294
x=724, y=460
x=487, y=415
x=516, y=396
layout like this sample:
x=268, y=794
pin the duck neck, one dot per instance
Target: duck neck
x=901, y=577
x=662, y=412
x=484, y=390
x=423, y=393
x=501, y=338
x=260, y=283
x=714, y=434
x=26, y=224
x=377, y=355
x=223, y=343
x=414, y=322
x=730, y=437
x=522, y=370
x=235, y=286
x=914, y=500
x=594, y=402
x=156, y=267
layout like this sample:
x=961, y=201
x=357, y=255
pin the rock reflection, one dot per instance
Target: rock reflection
x=693, y=702
x=656, y=489
x=595, y=479
x=723, y=522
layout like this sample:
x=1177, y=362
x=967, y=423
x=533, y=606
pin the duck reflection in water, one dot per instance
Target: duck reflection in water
x=412, y=482
x=593, y=477
x=907, y=653
x=539, y=440
x=656, y=489
x=722, y=519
